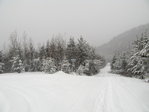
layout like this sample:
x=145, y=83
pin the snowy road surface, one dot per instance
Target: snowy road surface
x=38, y=92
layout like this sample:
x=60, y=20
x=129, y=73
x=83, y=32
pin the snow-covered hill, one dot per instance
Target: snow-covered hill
x=122, y=42
x=60, y=92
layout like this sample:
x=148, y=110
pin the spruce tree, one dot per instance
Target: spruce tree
x=65, y=66
x=48, y=65
x=136, y=64
x=82, y=51
x=17, y=64
x=1, y=62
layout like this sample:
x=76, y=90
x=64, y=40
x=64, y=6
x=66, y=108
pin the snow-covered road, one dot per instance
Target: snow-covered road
x=60, y=92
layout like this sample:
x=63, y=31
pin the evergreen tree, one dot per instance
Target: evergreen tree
x=80, y=69
x=113, y=62
x=48, y=65
x=42, y=52
x=136, y=64
x=124, y=64
x=48, y=49
x=13, y=51
x=71, y=53
x=60, y=52
x=1, y=62
x=144, y=53
x=31, y=55
x=82, y=51
x=93, y=68
x=17, y=65
x=71, y=49
x=37, y=64
x=65, y=66
x=1, y=56
x=53, y=48
x=26, y=53
x=87, y=70
x=119, y=64
x=1, y=67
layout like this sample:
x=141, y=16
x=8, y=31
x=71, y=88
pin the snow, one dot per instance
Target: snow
x=60, y=92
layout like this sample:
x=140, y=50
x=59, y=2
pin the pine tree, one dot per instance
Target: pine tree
x=136, y=64
x=80, y=69
x=71, y=53
x=119, y=64
x=15, y=50
x=82, y=51
x=26, y=53
x=1, y=67
x=113, y=62
x=71, y=49
x=87, y=70
x=47, y=49
x=31, y=55
x=48, y=65
x=37, y=64
x=144, y=53
x=60, y=52
x=17, y=65
x=1, y=62
x=42, y=52
x=65, y=66
x=53, y=48
x=93, y=68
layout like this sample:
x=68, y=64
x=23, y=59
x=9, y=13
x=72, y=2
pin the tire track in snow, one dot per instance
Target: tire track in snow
x=100, y=98
x=16, y=99
x=99, y=103
x=114, y=104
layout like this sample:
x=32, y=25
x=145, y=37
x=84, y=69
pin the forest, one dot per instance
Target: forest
x=56, y=54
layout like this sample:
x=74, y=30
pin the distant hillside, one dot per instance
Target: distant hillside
x=122, y=42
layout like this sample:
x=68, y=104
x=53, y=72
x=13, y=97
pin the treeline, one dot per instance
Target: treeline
x=55, y=55
x=134, y=63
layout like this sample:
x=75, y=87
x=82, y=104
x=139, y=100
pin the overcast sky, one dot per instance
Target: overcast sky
x=97, y=20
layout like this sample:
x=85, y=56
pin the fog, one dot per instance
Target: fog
x=97, y=21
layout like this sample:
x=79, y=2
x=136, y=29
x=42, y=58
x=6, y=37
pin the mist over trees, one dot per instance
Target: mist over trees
x=134, y=63
x=54, y=55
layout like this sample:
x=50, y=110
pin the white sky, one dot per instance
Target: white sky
x=97, y=20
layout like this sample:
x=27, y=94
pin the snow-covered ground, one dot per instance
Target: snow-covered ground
x=60, y=92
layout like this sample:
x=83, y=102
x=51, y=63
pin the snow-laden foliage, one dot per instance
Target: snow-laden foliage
x=37, y=64
x=1, y=67
x=136, y=63
x=90, y=67
x=1, y=62
x=119, y=64
x=65, y=56
x=145, y=51
x=17, y=65
x=80, y=70
x=65, y=66
x=135, y=66
x=48, y=65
